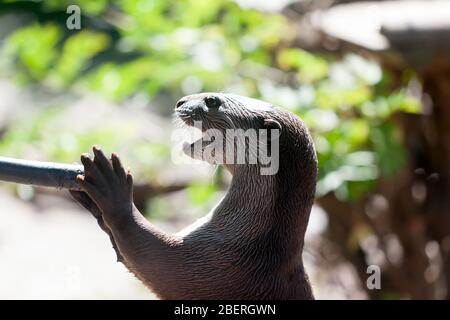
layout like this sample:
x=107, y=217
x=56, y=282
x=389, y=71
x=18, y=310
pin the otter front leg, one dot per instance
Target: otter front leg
x=150, y=254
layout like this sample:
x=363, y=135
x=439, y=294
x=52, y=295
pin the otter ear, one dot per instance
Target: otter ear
x=270, y=124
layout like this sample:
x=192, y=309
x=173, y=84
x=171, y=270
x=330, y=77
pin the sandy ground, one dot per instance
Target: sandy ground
x=59, y=253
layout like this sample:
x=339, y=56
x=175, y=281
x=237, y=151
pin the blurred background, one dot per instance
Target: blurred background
x=371, y=80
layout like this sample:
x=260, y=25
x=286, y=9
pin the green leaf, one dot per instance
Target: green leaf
x=77, y=51
x=35, y=46
x=310, y=67
x=390, y=152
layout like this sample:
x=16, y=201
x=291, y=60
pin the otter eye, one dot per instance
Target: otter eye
x=213, y=102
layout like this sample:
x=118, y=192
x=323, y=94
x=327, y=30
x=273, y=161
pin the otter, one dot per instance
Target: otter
x=250, y=245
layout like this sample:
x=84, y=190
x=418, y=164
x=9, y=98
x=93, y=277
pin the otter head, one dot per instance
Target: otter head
x=240, y=132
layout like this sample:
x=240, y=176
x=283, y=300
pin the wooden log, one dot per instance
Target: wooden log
x=39, y=173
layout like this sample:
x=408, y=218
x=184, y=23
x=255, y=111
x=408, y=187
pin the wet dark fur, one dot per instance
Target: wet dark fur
x=251, y=245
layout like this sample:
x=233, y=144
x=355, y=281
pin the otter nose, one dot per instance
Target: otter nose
x=180, y=103
x=190, y=106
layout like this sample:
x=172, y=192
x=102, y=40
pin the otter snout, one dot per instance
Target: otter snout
x=191, y=108
x=202, y=102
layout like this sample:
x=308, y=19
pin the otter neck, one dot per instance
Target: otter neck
x=258, y=205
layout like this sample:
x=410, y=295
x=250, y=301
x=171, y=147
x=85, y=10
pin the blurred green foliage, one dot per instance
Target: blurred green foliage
x=47, y=133
x=172, y=48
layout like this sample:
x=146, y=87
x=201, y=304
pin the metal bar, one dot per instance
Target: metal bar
x=39, y=173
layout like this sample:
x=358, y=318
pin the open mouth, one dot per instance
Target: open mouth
x=192, y=149
x=198, y=141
